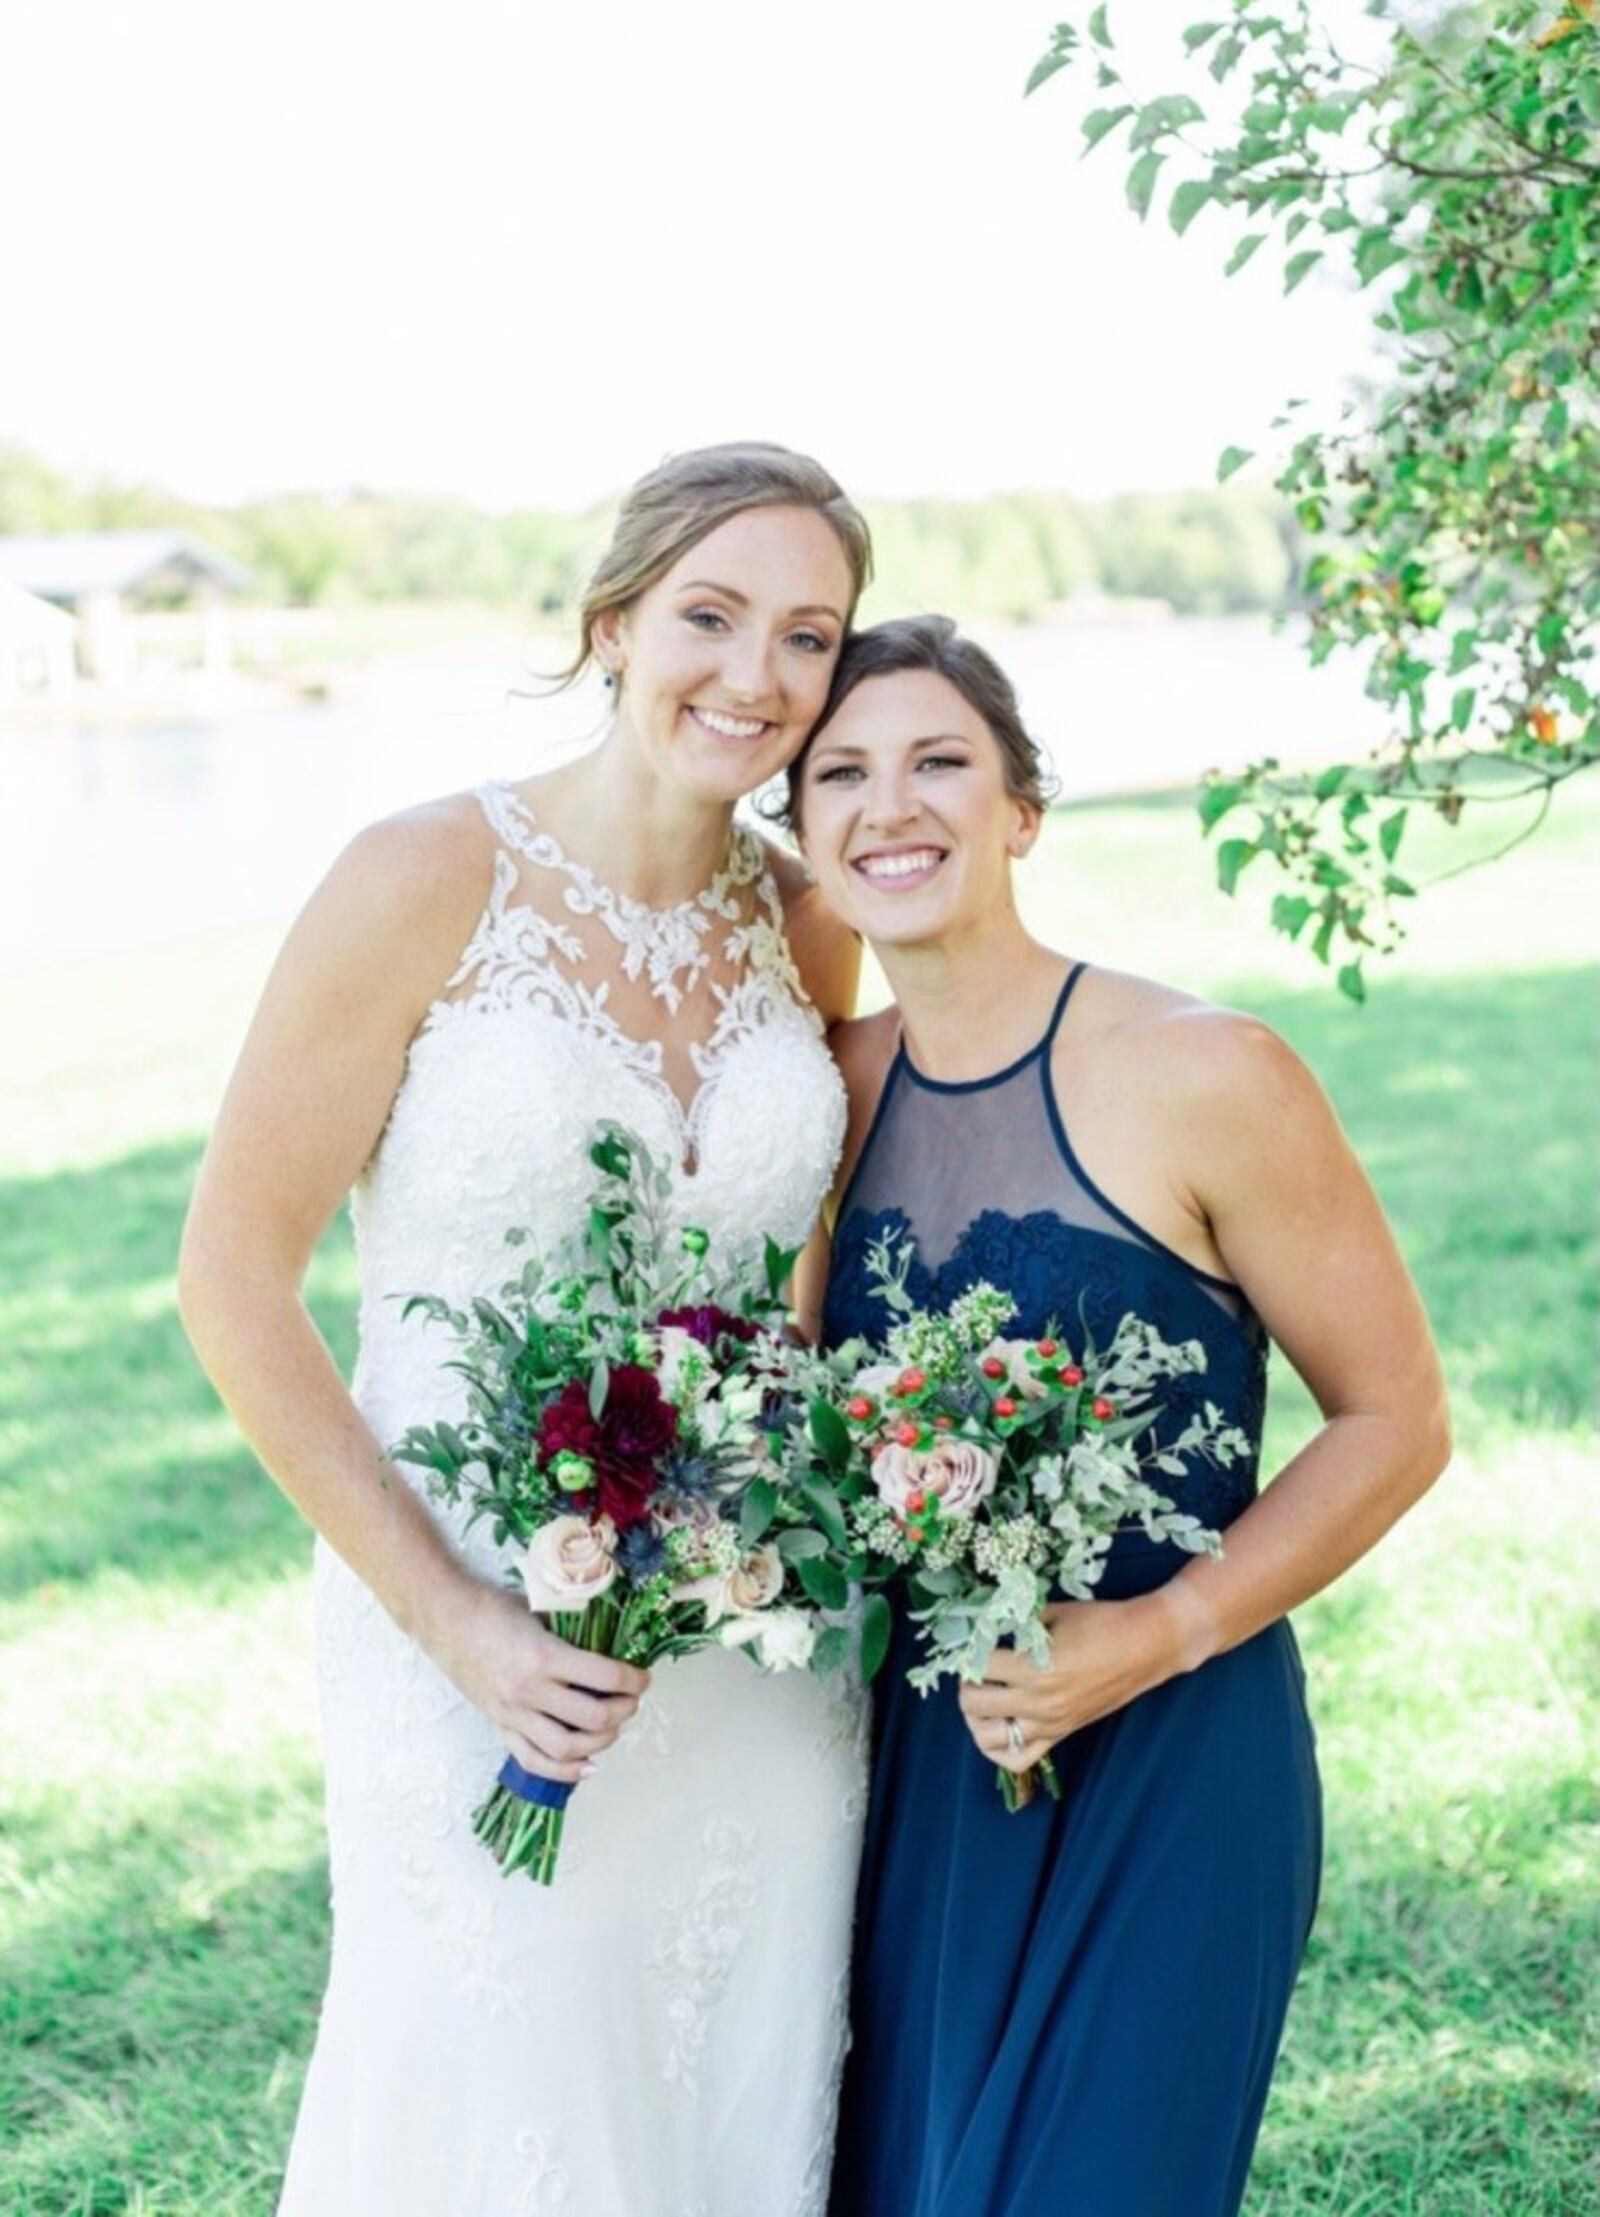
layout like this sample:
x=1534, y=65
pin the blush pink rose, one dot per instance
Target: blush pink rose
x=960, y=1472
x=569, y=1563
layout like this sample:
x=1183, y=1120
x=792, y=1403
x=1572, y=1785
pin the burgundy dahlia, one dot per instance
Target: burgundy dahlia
x=634, y=1431
x=708, y=1324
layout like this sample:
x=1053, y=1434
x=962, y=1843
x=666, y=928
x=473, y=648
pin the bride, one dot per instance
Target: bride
x=472, y=987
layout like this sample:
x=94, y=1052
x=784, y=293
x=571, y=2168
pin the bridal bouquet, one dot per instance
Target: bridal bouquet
x=998, y=1470
x=647, y=1457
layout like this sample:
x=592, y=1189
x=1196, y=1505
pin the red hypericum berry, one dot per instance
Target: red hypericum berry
x=994, y=1367
x=1047, y=1348
x=1102, y=1408
x=916, y=1502
x=860, y=1408
x=907, y=1435
x=1071, y=1375
x=943, y=1423
x=1005, y=1406
x=911, y=1381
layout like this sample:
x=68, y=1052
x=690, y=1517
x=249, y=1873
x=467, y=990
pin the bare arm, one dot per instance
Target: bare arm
x=1301, y=1230
x=305, y=1107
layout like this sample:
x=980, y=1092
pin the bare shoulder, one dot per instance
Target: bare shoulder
x=390, y=918
x=1206, y=1064
x=826, y=953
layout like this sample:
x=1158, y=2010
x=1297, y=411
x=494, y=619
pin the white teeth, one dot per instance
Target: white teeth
x=729, y=727
x=899, y=865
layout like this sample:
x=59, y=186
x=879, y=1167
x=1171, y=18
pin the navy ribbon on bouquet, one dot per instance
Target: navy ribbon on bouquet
x=549, y=1793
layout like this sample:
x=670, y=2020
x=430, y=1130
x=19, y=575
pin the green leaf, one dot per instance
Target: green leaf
x=1198, y=34
x=1230, y=459
x=1045, y=68
x=1330, y=781
x=1142, y=182
x=1376, y=251
x=1158, y=119
x=1219, y=796
x=824, y=1581
x=1290, y=914
x=798, y=1540
x=1187, y=201
x=757, y=1510
x=1098, y=30
x=832, y=1650
x=1242, y=252
x=1463, y=652
x=1298, y=265
x=828, y=1510
x=1232, y=857
x=1224, y=56
x=1461, y=707
x=831, y=1433
x=599, y=1387
x=1351, y=983
x=877, y=1627
x=1099, y=121
x=1390, y=833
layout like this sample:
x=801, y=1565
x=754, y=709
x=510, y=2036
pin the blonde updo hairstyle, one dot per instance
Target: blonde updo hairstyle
x=686, y=497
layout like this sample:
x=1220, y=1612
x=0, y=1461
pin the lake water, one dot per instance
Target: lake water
x=116, y=838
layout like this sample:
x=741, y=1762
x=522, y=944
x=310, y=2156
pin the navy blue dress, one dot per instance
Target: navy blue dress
x=1072, y=2011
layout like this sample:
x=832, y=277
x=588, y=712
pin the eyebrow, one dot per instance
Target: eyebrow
x=730, y=592
x=928, y=739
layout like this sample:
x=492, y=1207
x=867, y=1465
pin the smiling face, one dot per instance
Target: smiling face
x=724, y=661
x=905, y=816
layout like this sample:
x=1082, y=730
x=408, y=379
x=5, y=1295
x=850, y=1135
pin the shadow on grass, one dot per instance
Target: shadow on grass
x=155, y=2024
x=114, y=1452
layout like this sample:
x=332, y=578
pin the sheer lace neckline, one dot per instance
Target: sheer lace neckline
x=658, y=942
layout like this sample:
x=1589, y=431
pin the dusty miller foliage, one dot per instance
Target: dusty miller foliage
x=1453, y=513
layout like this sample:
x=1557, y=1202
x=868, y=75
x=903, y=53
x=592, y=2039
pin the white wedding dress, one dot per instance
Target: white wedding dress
x=659, y=2034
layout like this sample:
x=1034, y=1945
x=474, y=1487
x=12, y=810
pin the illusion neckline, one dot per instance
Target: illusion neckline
x=542, y=846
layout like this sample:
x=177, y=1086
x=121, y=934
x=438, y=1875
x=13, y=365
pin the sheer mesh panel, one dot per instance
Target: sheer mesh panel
x=945, y=1154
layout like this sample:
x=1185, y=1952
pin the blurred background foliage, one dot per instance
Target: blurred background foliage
x=1013, y=555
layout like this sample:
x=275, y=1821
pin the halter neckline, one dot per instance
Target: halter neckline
x=1041, y=1046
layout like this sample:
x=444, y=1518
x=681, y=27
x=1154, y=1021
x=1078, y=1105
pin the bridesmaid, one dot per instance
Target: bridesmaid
x=1076, y=2009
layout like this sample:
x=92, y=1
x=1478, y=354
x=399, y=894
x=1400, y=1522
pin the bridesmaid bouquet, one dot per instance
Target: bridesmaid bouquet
x=998, y=1470
x=648, y=1458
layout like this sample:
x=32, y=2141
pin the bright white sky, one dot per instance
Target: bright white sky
x=520, y=250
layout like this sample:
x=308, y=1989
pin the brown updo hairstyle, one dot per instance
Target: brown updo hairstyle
x=933, y=643
x=684, y=498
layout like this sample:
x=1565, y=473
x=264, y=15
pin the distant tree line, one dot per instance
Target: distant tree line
x=1010, y=555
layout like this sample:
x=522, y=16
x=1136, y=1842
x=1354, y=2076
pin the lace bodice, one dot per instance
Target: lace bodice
x=570, y=1004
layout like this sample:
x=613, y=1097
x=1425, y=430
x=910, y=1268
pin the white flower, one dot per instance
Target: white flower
x=753, y=1582
x=569, y=1563
x=875, y=1380
x=960, y=1472
x=682, y=1357
x=783, y=1638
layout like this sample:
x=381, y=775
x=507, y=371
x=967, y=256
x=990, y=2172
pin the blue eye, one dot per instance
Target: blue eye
x=703, y=618
x=813, y=642
x=840, y=770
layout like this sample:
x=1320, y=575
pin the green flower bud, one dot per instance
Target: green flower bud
x=695, y=1241
x=572, y=1473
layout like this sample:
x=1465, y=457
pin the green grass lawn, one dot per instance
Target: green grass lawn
x=162, y=1879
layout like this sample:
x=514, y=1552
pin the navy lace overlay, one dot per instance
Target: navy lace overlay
x=1070, y=1277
